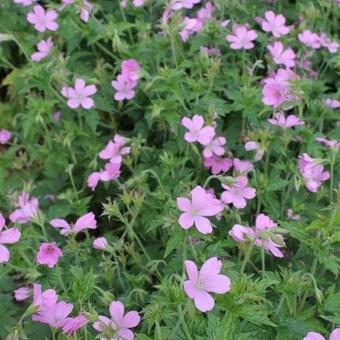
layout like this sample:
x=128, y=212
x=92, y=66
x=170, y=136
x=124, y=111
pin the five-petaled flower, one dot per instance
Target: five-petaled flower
x=205, y=281
x=119, y=326
x=202, y=204
x=43, y=20
x=79, y=95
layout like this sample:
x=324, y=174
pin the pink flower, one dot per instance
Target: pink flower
x=262, y=234
x=195, y=211
x=79, y=95
x=43, y=20
x=197, y=131
x=7, y=236
x=240, y=233
x=115, y=150
x=238, y=193
x=138, y=3
x=312, y=172
x=310, y=39
x=241, y=38
x=85, y=11
x=25, y=2
x=55, y=316
x=215, y=147
x=279, y=119
x=251, y=145
x=242, y=167
x=44, y=47
x=332, y=46
x=119, y=324
x=275, y=24
x=100, y=243
x=207, y=280
x=274, y=94
x=27, y=209
x=110, y=173
x=179, y=4
x=87, y=221
x=131, y=69
x=218, y=164
x=22, y=294
x=282, y=56
x=49, y=254
x=332, y=103
x=264, y=224
x=314, y=336
x=191, y=26
x=5, y=136
x=124, y=87
x=45, y=299
x=332, y=143
x=292, y=216
x=335, y=335
x=70, y=326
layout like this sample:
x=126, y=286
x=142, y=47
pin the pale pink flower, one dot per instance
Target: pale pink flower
x=85, y=11
x=119, y=324
x=238, y=192
x=263, y=225
x=109, y=173
x=263, y=234
x=332, y=103
x=275, y=24
x=27, y=209
x=191, y=26
x=241, y=233
x=43, y=20
x=292, y=216
x=115, y=150
x=5, y=136
x=138, y=3
x=310, y=39
x=179, y=4
x=197, y=131
x=100, y=243
x=241, y=37
x=251, y=145
x=211, y=52
x=22, y=294
x=242, y=167
x=43, y=300
x=25, y=2
x=204, y=281
x=65, y=3
x=70, y=326
x=202, y=204
x=49, y=254
x=335, y=335
x=124, y=87
x=215, y=147
x=54, y=316
x=331, y=143
x=218, y=164
x=274, y=94
x=332, y=46
x=44, y=47
x=87, y=221
x=7, y=236
x=279, y=119
x=282, y=56
x=314, y=336
x=131, y=69
x=79, y=95
x=312, y=172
